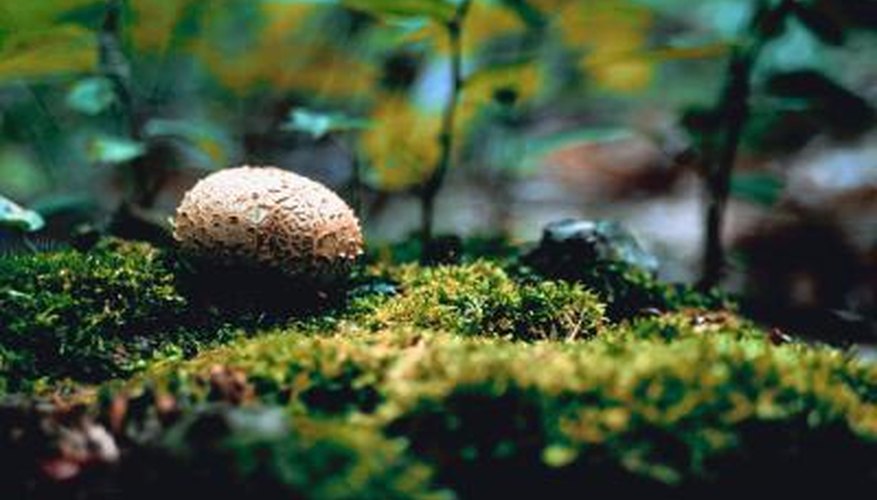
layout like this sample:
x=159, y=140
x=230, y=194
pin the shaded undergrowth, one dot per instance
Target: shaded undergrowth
x=470, y=380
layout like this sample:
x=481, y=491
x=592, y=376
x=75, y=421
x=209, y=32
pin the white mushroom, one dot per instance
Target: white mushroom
x=268, y=218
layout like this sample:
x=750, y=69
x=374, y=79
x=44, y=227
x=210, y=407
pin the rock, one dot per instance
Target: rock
x=576, y=243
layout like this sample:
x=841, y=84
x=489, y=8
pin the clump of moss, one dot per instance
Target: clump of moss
x=690, y=323
x=482, y=299
x=89, y=316
x=679, y=403
x=101, y=314
x=333, y=375
x=707, y=406
x=227, y=451
x=260, y=452
x=83, y=315
x=629, y=291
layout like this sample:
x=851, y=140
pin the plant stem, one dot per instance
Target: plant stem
x=734, y=110
x=735, y=113
x=431, y=187
x=143, y=185
x=113, y=64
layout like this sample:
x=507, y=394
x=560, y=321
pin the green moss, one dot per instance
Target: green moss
x=659, y=412
x=106, y=313
x=95, y=315
x=711, y=404
x=690, y=323
x=482, y=299
x=61, y=311
x=434, y=356
x=259, y=452
x=103, y=314
x=629, y=291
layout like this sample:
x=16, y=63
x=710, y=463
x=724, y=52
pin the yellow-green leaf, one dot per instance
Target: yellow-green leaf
x=17, y=218
x=58, y=51
x=440, y=10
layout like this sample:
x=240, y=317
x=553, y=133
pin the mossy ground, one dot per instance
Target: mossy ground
x=458, y=380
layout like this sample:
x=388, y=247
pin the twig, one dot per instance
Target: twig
x=431, y=187
x=734, y=110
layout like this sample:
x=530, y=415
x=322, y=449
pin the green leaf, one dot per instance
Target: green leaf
x=805, y=84
x=91, y=96
x=821, y=22
x=760, y=188
x=439, y=10
x=319, y=125
x=581, y=136
x=57, y=51
x=833, y=107
x=16, y=218
x=20, y=175
x=114, y=150
x=557, y=456
x=687, y=52
x=542, y=147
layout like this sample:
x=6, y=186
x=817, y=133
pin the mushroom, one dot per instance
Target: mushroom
x=269, y=219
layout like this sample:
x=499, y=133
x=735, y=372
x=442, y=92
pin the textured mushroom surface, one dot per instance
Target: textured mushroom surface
x=268, y=218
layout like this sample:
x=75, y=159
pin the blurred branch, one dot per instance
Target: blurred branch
x=114, y=65
x=430, y=189
x=734, y=109
x=112, y=61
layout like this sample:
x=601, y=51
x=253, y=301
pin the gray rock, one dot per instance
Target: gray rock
x=579, y=242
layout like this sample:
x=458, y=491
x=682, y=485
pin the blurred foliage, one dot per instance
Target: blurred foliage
x=319, y=125
x=14, y=217
x=178, y=85
x=267, y=49
x=261, y=451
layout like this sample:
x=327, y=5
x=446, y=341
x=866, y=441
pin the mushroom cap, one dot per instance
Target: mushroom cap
x=268, y=218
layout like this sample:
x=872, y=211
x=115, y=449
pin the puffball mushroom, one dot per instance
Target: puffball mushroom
x=269, y=219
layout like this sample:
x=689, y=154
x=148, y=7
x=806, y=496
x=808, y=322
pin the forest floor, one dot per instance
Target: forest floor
x=126, y=372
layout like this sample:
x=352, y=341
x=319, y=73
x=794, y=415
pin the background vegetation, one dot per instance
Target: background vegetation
x=115, y=103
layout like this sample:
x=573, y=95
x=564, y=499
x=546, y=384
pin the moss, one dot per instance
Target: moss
x=690, y=323
x=90, y=316
x=63, y=311
x=224, y=451
x=482, y=299
x=709, y=405
x=259, y=452
x=629, y=291
x=691, y=413
x=106, y=313
x=682, y=402
x=103, y=314
x=323, y=375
